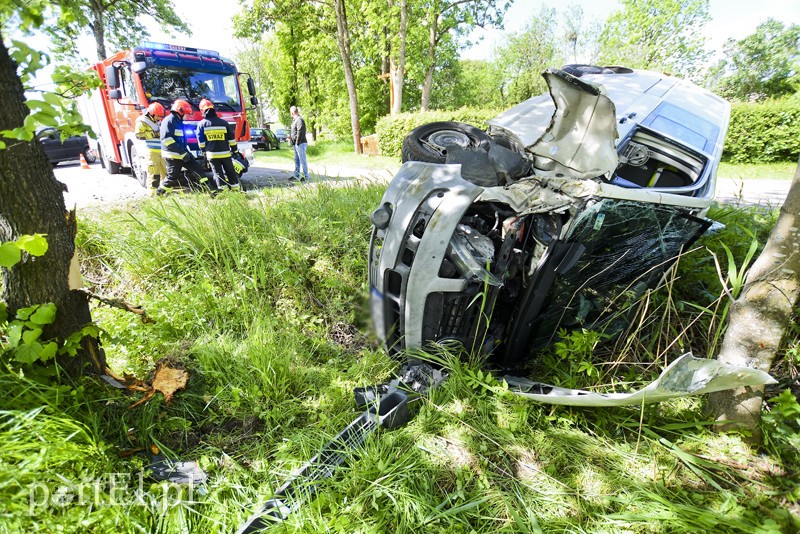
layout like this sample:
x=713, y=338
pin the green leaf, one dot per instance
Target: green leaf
x=46, y=314
x=24, y=313
x=3, y=312
x=30, y=336
x=48, y=351
x=52, y=99
x=28, y=353
x=14, y=334
x=10, y=255
x=35, y=245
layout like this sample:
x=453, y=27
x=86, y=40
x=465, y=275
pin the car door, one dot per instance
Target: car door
x=271, y=138
x=73, y=146
x=51, y=143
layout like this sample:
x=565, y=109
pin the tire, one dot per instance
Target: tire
x=429, y=142
x=89, y=155
x=137, y=170
x=111, y=167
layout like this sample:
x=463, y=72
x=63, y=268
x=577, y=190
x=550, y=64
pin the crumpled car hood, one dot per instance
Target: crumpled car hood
x=574, y=130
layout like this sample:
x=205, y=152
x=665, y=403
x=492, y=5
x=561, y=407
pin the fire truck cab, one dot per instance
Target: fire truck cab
x=155, y=72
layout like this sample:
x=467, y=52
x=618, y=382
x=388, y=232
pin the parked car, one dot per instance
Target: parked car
x=558, y=217
x=69, y=149
x=282, y=135
x=264, y=138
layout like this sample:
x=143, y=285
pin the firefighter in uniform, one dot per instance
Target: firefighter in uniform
x=175, y=151
x=147, y=129
x=216, y=139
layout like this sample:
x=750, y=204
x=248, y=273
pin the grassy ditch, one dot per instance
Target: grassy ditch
x=780, y=170
x=262, y=298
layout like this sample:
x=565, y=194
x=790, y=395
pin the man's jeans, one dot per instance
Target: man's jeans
x=300, y=159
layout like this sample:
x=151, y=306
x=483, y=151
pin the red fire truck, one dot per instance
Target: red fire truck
x=155, y=72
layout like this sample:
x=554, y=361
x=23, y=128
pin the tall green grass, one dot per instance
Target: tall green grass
x=262, y=298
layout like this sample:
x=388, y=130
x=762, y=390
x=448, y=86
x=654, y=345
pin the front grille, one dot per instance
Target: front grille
x=450, y=316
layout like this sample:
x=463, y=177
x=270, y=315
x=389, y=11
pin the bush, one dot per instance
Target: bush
x=392, y=129
x=764, y=132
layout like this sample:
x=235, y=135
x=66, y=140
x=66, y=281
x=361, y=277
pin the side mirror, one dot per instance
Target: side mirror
x=115, y=94
x=253, y=100
x=251, y=87
x=138, y=66
x=111, y=77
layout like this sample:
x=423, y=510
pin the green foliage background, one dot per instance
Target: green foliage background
x=762, y=132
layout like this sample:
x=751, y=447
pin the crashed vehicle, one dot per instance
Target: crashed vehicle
x=558, y=217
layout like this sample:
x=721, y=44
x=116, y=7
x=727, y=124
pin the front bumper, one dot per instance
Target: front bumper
x=426, y=202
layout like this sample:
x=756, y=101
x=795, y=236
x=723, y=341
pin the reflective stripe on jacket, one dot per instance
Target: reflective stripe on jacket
x=215, y=136
x=173, y=142
x=146, y=128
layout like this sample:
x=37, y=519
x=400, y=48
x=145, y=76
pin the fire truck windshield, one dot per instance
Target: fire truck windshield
x=165, y=84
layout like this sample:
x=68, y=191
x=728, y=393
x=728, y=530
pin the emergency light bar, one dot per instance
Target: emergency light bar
x=177, y=48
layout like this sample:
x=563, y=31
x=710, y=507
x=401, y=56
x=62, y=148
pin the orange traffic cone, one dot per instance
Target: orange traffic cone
x=84, y=165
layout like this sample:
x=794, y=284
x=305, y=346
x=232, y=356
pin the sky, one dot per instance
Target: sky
x=729, y=18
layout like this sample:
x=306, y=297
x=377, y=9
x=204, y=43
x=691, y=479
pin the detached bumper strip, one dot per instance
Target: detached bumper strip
x=387, y=406
x=684, y=377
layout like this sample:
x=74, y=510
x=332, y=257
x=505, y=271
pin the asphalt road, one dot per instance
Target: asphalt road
x=94, y=186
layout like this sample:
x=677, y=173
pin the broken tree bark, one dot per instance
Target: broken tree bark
x=760, y=316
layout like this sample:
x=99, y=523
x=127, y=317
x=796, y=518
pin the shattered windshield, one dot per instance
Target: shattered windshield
x=628, y=247
x=165, y=84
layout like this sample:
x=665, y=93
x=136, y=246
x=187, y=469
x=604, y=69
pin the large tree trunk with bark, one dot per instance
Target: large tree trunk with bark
x=99, y=32
x=343, y=40
x=760, y=316
x=433, y=39
x=31, y=202
x=398, y=64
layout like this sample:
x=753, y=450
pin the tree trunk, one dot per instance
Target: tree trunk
x=398, y=67
x=760, y=316
x=31, y=201
x=99, y=31
x=343, y=40
x=431, y=67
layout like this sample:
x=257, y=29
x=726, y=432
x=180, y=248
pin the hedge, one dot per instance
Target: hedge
x=764, y=132
x=392, y=129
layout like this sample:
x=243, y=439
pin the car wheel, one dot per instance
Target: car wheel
x=89, y=155
x=138, y=171
x=429, y=142
x=111, y=167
